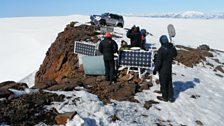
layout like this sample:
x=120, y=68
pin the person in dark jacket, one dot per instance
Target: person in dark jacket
x=108, y=47
x=135, y=36
x=166, y=53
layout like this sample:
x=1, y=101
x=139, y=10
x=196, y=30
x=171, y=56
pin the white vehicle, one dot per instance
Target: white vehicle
x=107, y=19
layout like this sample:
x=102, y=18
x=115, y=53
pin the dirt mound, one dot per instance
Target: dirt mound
x=29, y=109
x=118, y=91
x=60, y=69
x=61, y=61
x=121, y=90
x=219, y=68
x=190, y=56
x=5, y=86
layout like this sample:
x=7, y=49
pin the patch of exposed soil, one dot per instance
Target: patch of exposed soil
x=190, y=56
x=5, y=86
x=29, y=109
x=219, y=68
x=148, y=104
x=123, y=89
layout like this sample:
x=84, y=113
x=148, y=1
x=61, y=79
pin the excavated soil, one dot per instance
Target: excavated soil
x=190, y=56
x=29, y=110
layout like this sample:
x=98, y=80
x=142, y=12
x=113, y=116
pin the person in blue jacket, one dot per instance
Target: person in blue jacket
x=143, y=38
x=163, y=64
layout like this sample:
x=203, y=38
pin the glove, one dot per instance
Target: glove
x=154, y=72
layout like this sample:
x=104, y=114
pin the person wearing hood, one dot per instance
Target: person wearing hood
x=124, y=46
x=163, y=64
x=108, y=47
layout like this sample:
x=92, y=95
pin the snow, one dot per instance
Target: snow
x=76, y=121
x=189, y=32
x=18, y=93
x=24, y=42
x=29, y=80
x=199, y=81
x=185, y=15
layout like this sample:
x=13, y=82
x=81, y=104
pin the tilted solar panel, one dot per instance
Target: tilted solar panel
x=85, y=48
x=135, y=59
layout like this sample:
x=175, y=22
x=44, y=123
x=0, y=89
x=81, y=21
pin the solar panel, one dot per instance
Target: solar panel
x=135, y=59
x=85, y=48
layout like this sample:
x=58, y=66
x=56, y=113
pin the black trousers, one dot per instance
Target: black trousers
x=166, y=86
x=143, y=45
x=109, y=69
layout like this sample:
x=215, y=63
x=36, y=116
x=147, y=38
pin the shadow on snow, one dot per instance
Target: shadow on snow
x=180, y=86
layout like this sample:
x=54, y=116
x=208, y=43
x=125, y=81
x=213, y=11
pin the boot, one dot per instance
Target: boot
x=162, y=99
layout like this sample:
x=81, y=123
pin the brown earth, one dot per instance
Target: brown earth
x=190, y=56
x=29, y=110
x=61, y=119
x=219, y=68
x=5, y=86
x=61, y=61
x=121, y=90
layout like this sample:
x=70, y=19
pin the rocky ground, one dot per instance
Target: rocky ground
x=191, y=57
x=61, y=62
x=29, y=109
x=60, y=71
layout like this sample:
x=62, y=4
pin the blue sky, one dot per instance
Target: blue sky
x=21, y=8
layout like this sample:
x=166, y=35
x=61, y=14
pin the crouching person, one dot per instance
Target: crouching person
x=108, y=47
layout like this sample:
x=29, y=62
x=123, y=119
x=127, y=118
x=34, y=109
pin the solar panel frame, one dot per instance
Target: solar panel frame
x=86, y=48
x=139, y=59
